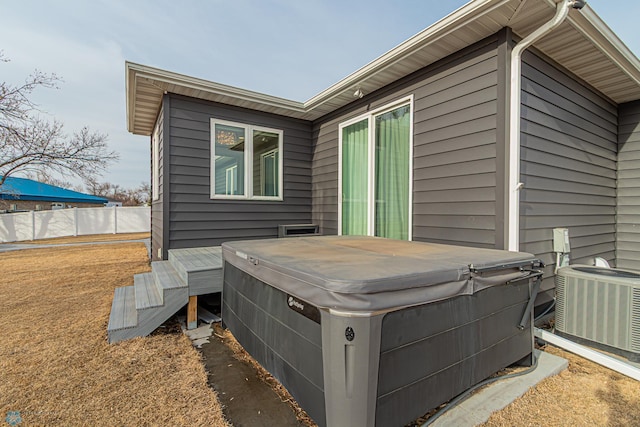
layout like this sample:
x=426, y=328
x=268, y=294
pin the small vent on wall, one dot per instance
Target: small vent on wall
x=298, y=230
x=635, y=321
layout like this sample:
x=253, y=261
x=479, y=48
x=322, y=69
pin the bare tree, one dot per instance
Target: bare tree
x=114, y=192
x=29, y=143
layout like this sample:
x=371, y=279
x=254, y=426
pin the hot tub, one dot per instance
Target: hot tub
x=367, y=331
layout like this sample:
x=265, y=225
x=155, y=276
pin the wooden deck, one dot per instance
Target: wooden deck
x=200, y=267
x=154, y=297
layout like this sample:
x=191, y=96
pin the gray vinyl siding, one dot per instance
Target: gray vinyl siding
x=454, y=149
x=568, y=166
x=157, y=205
x=628, y=227
x=197, y=220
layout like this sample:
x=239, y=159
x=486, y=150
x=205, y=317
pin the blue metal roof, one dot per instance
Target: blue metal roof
x=28, y=189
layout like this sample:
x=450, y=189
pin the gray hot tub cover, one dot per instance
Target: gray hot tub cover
x=370, y=274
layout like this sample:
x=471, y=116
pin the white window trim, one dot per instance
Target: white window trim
x=248, y=162
x=155, y=167
x=263, y=156
x=233, y=172
x=370, y=115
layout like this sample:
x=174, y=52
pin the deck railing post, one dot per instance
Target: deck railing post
x=192, y=312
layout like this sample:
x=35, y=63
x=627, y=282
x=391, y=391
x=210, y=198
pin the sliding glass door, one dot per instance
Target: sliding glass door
x=392, y=174
x=355, y=148
x=375, y=160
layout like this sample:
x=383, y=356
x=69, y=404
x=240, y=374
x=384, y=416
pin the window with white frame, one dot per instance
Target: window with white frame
x=245, y=161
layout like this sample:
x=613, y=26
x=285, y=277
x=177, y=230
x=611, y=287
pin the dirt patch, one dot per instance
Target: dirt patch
x=55, y=363
x=235, y=378
x=86, y=239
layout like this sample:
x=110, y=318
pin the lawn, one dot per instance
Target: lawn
x=586, y=394
x=89, y=238
x=57, y=367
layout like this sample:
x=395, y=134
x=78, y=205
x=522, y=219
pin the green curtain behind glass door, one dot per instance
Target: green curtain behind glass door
x=354, y=178
x=392, y=139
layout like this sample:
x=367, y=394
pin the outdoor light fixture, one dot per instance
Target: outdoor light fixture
x=358, y=93
x=578, y=4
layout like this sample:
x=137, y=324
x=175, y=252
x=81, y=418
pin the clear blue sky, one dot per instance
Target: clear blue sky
x=288, y=48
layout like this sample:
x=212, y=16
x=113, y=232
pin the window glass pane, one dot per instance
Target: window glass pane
x=266, y=160
x=392, y=173
x=229, y=160
x=354, y=178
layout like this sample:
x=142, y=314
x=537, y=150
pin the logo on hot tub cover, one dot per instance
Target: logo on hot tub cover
x=295, y=303
x=307, y=310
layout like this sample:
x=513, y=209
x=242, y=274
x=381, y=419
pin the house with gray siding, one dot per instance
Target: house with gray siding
x=423, y=143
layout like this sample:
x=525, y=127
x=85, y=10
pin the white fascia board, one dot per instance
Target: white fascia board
x=586, y=22
x=159, y=75
x=455, y=20
x=129, y=84
x=135, y=71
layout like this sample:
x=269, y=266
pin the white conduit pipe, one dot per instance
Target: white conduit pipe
x=595, y=356
x=513, y=217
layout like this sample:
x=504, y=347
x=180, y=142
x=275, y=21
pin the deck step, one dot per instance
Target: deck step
x=196, y=259
x=123, y=309
x=147, y=293
x=166, y=276
x=154, y=297
x=201, y=268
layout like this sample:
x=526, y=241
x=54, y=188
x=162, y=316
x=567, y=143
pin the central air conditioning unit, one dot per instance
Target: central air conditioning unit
x=600, y=307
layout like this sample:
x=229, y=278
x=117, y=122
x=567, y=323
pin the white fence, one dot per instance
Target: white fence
x=73, y=222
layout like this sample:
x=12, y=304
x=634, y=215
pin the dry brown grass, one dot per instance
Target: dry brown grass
x=56, y=366
x=586, y=394
x=90, y=238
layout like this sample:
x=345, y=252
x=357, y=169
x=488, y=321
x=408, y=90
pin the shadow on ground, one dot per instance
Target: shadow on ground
x=246, y=399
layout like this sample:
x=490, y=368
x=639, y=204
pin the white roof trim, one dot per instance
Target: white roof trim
x=456, y=19
x=158, y=75
x=145, y=85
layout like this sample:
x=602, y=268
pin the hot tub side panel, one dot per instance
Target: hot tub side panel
x=433, y=352
x=284, y=341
